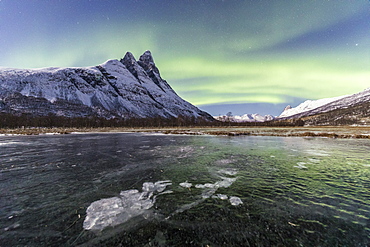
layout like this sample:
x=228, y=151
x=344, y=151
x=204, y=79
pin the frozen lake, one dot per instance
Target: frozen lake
x=126, y=189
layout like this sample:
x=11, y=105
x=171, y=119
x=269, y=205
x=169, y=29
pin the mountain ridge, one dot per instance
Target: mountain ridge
x=126, y=88
x=342, y=110
x=312, y=107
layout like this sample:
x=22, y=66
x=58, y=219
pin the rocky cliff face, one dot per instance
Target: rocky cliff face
x=115, y=89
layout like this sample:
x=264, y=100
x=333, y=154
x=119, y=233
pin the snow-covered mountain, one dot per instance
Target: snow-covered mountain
x=245, y=118
x=123, y=88
x=306, y=106
x=314, y=107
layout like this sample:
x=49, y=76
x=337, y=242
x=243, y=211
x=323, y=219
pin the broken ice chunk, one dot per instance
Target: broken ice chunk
x=300, y=165
x=157, y=186
x=186, y=184
x=226, y=182
x=222, y=196
x=229, y=171
x=235, y=201
x=160, y=186
x=117, y=210
x=147, y=186
x=202, y=186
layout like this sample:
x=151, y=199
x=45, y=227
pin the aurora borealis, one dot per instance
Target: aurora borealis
x=243, y=56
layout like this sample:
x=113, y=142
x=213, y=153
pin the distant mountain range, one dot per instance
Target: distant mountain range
x=123, y=88
x=342, y=110
x=245, y=118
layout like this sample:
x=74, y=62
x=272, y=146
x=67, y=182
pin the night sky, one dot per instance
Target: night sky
x=242, y=56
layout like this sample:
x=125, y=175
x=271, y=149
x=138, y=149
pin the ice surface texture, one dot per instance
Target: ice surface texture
x=209, y=190
x=117, y=210
x=131, y=203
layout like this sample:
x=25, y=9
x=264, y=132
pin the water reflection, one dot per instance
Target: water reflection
x=225, y=191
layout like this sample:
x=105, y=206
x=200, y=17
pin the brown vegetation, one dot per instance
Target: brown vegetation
x=31, y=125
x=327, y=132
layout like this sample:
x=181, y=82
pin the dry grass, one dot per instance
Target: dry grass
x=329, y=132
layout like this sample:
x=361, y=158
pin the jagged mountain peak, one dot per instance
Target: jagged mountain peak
x=147, y=58
x=143, y=68
x=128, y=58
x=130, y=62
x=146, y=61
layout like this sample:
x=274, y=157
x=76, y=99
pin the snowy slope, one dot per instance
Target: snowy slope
x=312, y=107
x=125, y=88
x=307, y=106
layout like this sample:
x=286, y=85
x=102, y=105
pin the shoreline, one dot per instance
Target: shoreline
x=359, y=132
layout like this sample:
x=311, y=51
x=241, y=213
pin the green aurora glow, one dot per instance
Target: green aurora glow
x=211, y=52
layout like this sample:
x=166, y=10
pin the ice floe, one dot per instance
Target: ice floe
x=209, y=189
x=301, y=165
x=185, y=151
x=314, y=160
x=222, y=196
x=224, y=161
x=229, y=171
x=235, y=201
x=317, y=152
x=117, y=210
x=11, y=143
x=186, y=184
x=202, y=186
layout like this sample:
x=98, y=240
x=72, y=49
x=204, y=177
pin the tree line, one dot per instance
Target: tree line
x=27, y=120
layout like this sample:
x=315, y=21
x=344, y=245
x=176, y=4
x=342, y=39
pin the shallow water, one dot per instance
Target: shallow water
x=161, y=190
